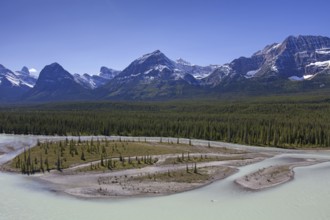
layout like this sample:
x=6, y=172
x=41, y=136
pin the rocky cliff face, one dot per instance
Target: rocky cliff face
x=14, y=85
x=294, y=57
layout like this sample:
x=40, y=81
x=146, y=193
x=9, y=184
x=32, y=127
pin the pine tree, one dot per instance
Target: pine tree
x=41, y=164
x=58, y=164
x=102, y=162
x=195, y=169
x=82, y=157
x=47, y=164
x=228, y=132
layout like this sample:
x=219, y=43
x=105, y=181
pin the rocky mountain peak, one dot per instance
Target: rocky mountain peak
x=306, y=42
x=154, y=58
x=108, y=73
x=25, y=71
x=183, y=62
x=2, y=67
x=53, y=73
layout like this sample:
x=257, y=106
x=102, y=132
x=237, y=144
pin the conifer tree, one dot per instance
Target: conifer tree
x=41, y=164
x=82, y=157
x=102, y=162
x=58, y=164
x=195, y=169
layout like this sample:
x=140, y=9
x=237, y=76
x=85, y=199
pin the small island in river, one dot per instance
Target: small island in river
x=101, y=167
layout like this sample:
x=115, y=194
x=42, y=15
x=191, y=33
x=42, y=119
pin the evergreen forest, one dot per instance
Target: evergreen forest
x=287, y=122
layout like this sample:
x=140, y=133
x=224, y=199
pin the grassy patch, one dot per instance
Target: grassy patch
x=177, y=176
x=64, y=154
x=192, y=174
x=187, y=158
x=126, y=163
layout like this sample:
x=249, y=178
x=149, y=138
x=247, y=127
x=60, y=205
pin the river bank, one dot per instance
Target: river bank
x=272, y=176
x=157, y=179
x=28, y=199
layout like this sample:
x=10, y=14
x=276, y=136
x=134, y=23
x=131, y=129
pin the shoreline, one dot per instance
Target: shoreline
x=126, y=183
x=273, y=176
x=133, y=189
x=176, y=189
x=135, y=182
x=85, y=184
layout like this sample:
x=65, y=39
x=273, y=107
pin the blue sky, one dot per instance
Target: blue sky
x=84, y=35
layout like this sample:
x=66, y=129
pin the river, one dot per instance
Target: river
x=306, y=197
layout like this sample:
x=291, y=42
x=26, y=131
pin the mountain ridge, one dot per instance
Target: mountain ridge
x=297, y=63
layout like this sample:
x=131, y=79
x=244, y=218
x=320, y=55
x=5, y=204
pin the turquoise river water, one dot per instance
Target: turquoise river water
x=306, y=197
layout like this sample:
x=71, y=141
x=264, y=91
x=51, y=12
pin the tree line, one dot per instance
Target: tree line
x=281, y=124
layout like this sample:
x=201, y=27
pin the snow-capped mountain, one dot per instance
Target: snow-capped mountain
x=147, y=65
x=198, y=72
x=152, y=75
x=25, y=76
x=156, y=65
x=296, y=59
x=108, y=73
x=85, y=80
x=95, y=81
x=14, y=84
x=18, y=79
x=297, y=64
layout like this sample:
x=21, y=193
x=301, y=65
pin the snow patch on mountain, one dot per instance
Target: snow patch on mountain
x=20, y=78
x=304, y=77
x=85, y=80
x=160, y=67
x=320, y=64
x=302, y=54
x=274, y=47
x=135, y=75
x=274, y=68
x=251, y=74
x=226, y=69
x=178, y=74
x=148, y=71
x=13, y=79
x=323, y=51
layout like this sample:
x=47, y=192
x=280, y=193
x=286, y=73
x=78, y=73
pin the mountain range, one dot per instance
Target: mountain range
x=297, y=64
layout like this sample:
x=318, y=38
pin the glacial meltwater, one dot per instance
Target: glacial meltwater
x=306, y=197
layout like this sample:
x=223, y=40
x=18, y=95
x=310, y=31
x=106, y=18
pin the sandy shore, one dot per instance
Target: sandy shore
x=274, y=175
x=140, y=181
x=128, y=186
x=135, y=182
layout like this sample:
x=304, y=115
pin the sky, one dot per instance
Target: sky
x=83, y=35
